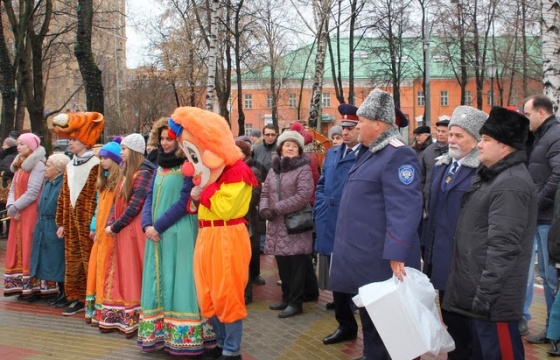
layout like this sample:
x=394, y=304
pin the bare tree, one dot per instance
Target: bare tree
x=550, y=50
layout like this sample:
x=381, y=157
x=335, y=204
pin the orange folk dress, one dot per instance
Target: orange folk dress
x=99, y=257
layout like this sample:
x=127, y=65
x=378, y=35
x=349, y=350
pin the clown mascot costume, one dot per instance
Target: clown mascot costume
x=221, y=196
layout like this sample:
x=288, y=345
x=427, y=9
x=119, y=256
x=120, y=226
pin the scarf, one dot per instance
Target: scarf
x=168, y=160
x=80, y=160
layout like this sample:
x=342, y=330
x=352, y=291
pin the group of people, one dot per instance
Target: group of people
x=169, y=250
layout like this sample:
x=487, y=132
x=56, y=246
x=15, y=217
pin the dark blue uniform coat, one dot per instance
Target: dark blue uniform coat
x=439, y=226
x=378, y=218
x=327, y=196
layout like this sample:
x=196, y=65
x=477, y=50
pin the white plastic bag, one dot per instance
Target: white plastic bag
x=406, y=316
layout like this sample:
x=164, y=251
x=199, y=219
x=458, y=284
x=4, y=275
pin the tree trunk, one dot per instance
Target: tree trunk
x=212, y=55
x=91, y=75
x=550, y=50
x=7, y=86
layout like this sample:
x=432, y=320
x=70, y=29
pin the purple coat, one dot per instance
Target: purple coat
x=296, y=187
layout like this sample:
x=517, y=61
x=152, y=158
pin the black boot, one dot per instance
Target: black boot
x=554, y=348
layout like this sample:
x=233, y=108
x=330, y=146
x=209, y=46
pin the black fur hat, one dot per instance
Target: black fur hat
x=506, y=126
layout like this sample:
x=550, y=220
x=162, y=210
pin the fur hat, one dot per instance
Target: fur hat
x=378, y=105
x=468, y=119
x=135, y=142
x=335, y=130
x=111, y=150
x=86, y=127
x=422, y=129
x=31, y=140
x=292, y=136
x=59, y=161
x=507, y=126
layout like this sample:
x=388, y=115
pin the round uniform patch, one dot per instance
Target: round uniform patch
x=406, y=174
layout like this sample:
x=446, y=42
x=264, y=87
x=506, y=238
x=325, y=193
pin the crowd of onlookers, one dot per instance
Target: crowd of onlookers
x=108, y=232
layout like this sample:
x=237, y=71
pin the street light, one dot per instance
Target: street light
x=491, y=69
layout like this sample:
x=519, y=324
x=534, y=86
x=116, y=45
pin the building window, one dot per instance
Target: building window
x=421, y=100
x=444, y=98
x=292, y=100
x=248, y=101
x=248, y=129
x=468, y=98
x=326, y=100
x=269, y=101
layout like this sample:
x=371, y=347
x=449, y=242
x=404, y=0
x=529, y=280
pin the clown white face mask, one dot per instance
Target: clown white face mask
x=194, y=167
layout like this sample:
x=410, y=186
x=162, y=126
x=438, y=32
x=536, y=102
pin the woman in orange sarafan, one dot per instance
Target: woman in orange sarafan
x=222, y=193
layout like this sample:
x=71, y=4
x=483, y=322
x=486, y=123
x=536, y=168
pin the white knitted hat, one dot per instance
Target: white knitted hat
x=59, y=161
x=292, y=136
x=135, y=142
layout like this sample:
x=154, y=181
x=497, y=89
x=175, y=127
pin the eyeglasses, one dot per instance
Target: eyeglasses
x=269, y=135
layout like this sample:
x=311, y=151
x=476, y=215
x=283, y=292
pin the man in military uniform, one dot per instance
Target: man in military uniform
x=379, y=213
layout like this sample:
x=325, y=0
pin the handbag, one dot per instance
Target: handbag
x=299, y=221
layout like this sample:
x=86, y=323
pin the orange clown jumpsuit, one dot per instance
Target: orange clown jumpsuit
x=223, y=248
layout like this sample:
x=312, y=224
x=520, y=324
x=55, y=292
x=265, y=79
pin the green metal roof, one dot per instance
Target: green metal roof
x=371, y=59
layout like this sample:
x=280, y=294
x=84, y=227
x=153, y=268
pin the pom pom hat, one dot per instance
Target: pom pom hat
x=111, y=150
x=135, y=142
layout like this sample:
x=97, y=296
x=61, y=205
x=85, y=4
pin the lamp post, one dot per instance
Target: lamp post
x=491, y=69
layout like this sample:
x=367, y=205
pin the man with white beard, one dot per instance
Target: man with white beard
x=450, y=180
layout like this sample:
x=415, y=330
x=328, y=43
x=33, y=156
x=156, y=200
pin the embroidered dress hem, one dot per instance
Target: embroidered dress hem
x=120, y=318
x=175, y=336
x=19, y=284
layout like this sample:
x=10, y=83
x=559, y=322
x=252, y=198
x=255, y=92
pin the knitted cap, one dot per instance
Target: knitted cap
x=468, y=119
x=31, y=140
x=10, y=141
x=378, y=105
x=307, y=137
x=292, y=136
x=335, y=130
x=59, y=161
x=507, y=126
x=135, y=142
x=111, y=150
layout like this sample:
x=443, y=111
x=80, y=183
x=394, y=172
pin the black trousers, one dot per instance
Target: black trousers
x=255, y=262
x=374, y=349
x=460, y=329
x=343, y=312
x=291, y=269
x=311, y=285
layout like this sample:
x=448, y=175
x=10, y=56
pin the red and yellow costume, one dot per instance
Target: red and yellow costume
x=222, y=193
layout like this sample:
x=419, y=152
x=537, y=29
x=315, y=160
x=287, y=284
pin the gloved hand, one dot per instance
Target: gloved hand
x=12, y=210
x=481, y=307
x=195, y=192
x=268, y=214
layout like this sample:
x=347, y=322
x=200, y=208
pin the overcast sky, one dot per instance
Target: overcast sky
x=137, y=46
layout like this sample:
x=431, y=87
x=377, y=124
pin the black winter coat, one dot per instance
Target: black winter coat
x=494, y=242
x=544, y=166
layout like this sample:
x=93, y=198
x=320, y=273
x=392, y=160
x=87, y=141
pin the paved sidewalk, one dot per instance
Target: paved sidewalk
x=37, y=331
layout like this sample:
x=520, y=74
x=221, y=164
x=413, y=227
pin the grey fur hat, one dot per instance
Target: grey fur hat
x=292, y=136
x=335, y=130
x=379, y=105
x=468, y=119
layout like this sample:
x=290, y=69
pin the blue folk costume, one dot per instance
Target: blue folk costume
x=47, y=252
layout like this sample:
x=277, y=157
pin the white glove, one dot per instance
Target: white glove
x=196, y=192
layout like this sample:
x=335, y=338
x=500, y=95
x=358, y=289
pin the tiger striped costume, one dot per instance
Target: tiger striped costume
x=75, y=208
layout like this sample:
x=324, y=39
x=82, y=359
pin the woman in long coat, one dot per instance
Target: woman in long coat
x=47, y=252
x=291, y=176
x=29, y=170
